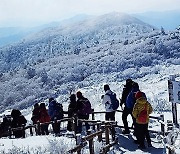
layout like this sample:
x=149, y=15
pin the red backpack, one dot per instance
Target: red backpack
x=142, y=118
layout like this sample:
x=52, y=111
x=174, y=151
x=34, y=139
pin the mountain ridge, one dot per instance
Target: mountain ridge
x=54, y=65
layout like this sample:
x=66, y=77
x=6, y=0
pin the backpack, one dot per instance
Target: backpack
x=86, y=107
x=142, y=117
x=114, y=101
x=58, y=111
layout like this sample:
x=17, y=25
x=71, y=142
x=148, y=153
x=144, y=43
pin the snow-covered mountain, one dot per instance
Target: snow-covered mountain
x=87, y=53
x=70, y=38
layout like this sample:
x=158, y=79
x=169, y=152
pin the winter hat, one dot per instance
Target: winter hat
x=129, y=81
x=72, y=97
x=139, y=94
x=135, y=85
x=36, y=105
x=79, y=94
x=106, y=87
x=51, y=99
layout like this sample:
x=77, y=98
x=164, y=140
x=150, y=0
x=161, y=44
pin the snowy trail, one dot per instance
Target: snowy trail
x=126, y=145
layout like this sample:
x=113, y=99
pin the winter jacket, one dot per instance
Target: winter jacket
x=43, y=115
x=35, y=115
x=130, y=101
x=107, y=101
x=83, y=106
x=139, y=106
x=72, y=108
x=18, y=121
x=51, y=108
x=55, y=110
x=125, y=93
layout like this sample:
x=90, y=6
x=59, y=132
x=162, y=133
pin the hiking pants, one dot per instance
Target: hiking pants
x=79, y=127
x=56, y=127
x=110, y=116
x=125, y=114
x=44, y=129
x=142, y=133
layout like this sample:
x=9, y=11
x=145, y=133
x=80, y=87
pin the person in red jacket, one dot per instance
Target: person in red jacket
x=44, y=119
x=35, y=114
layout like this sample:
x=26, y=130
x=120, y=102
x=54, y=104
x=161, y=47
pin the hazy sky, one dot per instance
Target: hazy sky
x=29, y=12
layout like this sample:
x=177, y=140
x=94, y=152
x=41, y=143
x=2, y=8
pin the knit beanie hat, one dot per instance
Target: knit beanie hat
x=139, y=94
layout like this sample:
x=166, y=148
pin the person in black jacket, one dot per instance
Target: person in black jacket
x=83, y=110
x=126, y=90
x=72, y=110
x=4, y=126
x=17, y=122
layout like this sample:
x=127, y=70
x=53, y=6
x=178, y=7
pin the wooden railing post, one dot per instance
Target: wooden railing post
x=31, y=131
x=38, y=128
x=23, y=131
x=93, y=118
x=98, y=129
x=91, y=144
x=107, y=133
x=113, y=132
x=162, y=124
x=75, y=123
x=55, y=126
x=10, y=132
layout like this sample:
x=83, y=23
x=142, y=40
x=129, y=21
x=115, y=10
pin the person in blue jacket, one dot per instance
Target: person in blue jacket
x=55, y=112
x=129, y=104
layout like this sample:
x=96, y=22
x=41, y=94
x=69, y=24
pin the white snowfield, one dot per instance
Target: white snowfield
x=49, y=144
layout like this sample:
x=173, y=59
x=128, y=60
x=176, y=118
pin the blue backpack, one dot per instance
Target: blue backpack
x=114, y=101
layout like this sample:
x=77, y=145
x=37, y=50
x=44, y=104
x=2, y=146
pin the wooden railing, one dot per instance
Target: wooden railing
x=160, y=119
x=100, y=127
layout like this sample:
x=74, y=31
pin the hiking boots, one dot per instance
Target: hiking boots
x=125, y=132
x=141, y=146
x=136, y=142
x=149, y=145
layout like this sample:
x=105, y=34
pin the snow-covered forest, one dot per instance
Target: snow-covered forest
x=108, y=48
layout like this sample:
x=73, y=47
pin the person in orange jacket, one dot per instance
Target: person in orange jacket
x=141, y=111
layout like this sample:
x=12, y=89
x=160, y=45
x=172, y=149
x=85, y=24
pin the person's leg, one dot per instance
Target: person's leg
x=147, y=136
x=107, y=116
x=134, y=120
x=135, y=133
x=58, y=128
x=87, y=125
x=112, y=116
x=42, y=129
x=141, y=134
x=124, y=119
x=79, y=126
x=46, y=129
x=69, y=126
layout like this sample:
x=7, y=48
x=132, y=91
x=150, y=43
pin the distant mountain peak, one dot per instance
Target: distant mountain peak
x=120, y=18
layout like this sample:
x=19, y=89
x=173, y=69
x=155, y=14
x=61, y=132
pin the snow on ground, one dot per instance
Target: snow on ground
x=52, y=144
x=37, y=144
x=155, y=91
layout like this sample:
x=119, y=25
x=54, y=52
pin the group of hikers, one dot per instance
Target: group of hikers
x=133, y=102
